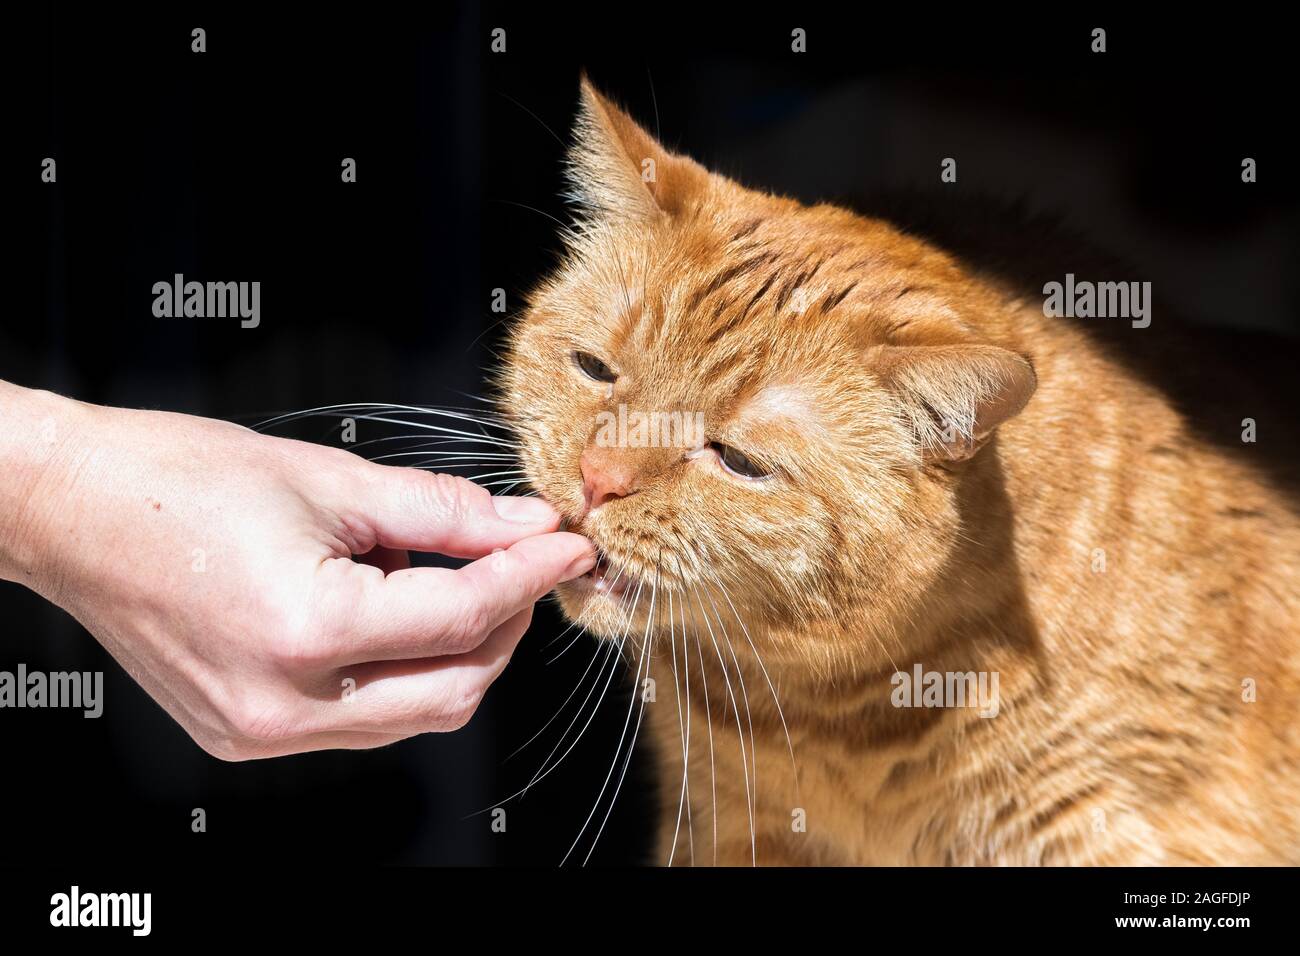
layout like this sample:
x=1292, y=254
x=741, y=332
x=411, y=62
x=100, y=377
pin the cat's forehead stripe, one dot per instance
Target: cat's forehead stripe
x=760, y=285
x=741, y=269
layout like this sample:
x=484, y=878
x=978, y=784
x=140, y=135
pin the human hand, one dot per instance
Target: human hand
x=215, y=564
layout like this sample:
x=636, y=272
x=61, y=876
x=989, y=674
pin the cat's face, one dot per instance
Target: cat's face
x=743, y=402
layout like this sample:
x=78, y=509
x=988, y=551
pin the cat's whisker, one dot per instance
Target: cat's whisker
x=547, y=765
x=508, y=482
x=631, y=750
x=565, y=227
x=492, y=327
x=550, y=761
x=435, y=443
x=508, y=488
x=708, y=724
x=566, y=647
x=619, y=748
x=677, y=693
x=612, y=589
x=686, y=747
x=475, y=416
x=794, y=766
x=751, y=789
x=482, y=399
x=637, y=690
x=467, y=457
x=749, y=758
x=544, y=770
x=559, y=637
x=450, y=457
x=555, y=136
x=735, y=707
x=451, y=443
x=386, y=416
x=480, y=479
x=614, y=670
x=578, y=686
x=516, y=475
x=462, y=435
x=366, y=410
x=499, y=489
x=683, y=725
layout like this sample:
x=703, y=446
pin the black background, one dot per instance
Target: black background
x=225, y=166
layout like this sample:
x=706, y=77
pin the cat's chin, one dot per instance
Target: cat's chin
x=600, y=601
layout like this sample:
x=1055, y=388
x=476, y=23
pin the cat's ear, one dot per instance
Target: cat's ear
x=954, y=396
x=618, y=169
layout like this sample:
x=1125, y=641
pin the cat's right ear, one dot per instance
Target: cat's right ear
x=618, y=169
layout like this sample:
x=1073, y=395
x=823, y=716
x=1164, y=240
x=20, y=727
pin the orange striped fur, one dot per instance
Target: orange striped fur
x=957, y=481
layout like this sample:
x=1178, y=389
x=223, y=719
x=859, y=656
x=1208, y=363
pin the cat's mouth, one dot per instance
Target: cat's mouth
x=607, y=577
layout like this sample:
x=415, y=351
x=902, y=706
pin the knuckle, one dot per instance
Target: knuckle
x=303, y=629
x=450, y=706
x=226, y=748
x=218, y=739
x=461, y=709
x=297, y=649
x=469, y=627
x=457, y=720
x=451, y=495
x=254, y=720
x=505, y=566
x=478, y=623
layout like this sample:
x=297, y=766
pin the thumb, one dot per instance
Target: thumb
x=418, y=511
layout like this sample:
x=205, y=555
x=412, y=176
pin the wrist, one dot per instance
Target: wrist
x=40, y=442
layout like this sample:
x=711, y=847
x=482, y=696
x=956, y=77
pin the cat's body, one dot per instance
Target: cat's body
x=1124, y=581
x=951, y=482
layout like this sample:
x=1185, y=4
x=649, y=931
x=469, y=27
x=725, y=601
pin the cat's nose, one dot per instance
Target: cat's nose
x=605, y=478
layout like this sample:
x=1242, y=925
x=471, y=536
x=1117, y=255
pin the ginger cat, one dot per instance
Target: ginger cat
x=905, y=469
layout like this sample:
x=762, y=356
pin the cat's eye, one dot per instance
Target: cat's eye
x=593, y=368
x=738, y=463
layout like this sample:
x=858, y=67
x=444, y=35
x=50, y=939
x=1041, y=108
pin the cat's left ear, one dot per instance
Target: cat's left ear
x=953, y=397
x=618, y=169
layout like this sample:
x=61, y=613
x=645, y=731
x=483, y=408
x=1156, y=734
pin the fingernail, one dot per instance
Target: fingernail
x=581, y=565
x=524, y=510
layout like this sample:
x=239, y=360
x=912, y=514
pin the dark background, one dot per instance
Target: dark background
x=225, y=166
